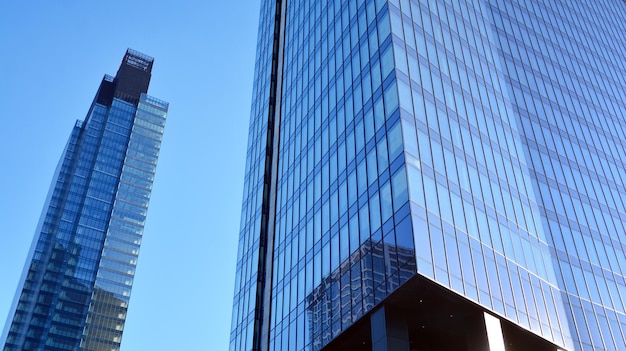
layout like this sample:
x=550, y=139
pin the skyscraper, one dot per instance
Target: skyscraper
x=74, y=291
x=435, y=175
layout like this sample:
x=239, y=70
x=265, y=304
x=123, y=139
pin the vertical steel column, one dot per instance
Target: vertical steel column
x=266, y=247
x=390, y=331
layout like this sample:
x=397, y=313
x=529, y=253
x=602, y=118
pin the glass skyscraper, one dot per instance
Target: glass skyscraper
x=435, y=175
x=74, y=291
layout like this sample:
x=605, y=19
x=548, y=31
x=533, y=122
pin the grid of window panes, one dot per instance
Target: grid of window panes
x=512, y=123
x=477, y=223
x=29, y=320
x=102, y=186
x=564, y=64
x=518, y=142
x=116, y=269
x=245, y=302
x=74, y=237
x=343, y=238
x=58, y=291
x=66, y=254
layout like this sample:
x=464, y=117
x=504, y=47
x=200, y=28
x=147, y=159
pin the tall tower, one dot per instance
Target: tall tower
x=428, y=174
x=74, y=291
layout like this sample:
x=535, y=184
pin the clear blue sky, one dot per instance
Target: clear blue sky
x=54, y=54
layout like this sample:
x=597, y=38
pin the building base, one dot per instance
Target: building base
x=423, y=316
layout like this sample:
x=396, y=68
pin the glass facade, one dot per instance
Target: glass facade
x=478, y=227
x=477, y=144
x=76, y=284
x=342, y=211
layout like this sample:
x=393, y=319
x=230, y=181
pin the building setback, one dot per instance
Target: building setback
x=75, y=287
x=435, y=175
